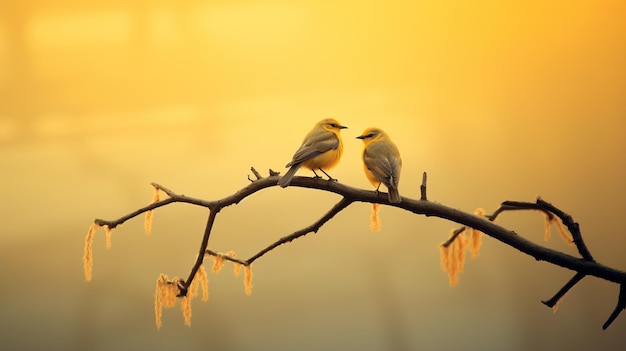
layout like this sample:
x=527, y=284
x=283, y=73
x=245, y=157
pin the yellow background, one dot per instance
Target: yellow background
x=496, y=100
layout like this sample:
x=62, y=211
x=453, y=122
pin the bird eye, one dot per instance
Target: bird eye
x=370, y=135
x=334, y=125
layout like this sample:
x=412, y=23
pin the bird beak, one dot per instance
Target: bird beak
x=361, y=137
x=343, y=127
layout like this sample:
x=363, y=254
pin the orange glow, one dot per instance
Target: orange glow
x=496, y=100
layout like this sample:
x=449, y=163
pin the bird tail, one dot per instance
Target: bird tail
x=394, y=195
x=286, y=179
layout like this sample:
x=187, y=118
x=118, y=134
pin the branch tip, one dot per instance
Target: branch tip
x=423, y=188
x=554, y=300
x=256, y=174
x=453, y=237
x=167, y=191
x=273, y=173
x=621, y=305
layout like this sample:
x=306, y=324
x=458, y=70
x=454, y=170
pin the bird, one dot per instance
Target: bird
x=321, y=149
x=381, y=161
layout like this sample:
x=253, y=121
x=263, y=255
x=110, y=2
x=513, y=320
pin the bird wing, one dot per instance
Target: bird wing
x=381, y=161
x=315, y=145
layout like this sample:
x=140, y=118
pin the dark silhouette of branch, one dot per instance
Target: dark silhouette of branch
x=621, y=305
x=552, y=302
x=572, y=226
x=583, y=266
x=504, y=207
x=200, y=258
x=313, y=228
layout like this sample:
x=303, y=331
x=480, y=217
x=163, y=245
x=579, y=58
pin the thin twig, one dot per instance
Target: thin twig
x=621, y=305
x=455, y=233
x=313, y=228
x=518, y=206
x=256, y=173
x=227, y=258
x=504, y=207
x=121, y=220
x=164, y=189
x=572, y=226
x=423, y=188
x=551, y=302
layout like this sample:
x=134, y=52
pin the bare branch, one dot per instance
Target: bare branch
x=621, y=305
x=313, y=228
x=504, y=207
x=121, y=220
x=164, y=189
x=572, y=226
x=559, y=295
x=510, y=206
x=582, y=266
x=227, y=258
x=256, y=174
x=453, y=237
x=518, y=206
x=203, y=246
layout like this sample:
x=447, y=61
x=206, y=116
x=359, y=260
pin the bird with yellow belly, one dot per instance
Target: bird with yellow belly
x=321, y=150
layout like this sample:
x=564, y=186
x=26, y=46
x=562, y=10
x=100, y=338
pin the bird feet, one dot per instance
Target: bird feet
x=330, y=179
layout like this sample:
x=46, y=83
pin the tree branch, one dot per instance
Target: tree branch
x=572, y=226
x=200, y=258
x=621, y=305
x=552, y=302
x=313, y=228
x=582, y=266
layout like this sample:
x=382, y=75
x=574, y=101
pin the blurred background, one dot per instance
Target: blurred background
x=495, y=100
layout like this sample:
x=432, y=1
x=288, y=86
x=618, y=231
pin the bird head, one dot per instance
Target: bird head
x=372, y=134
x=331, y=125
